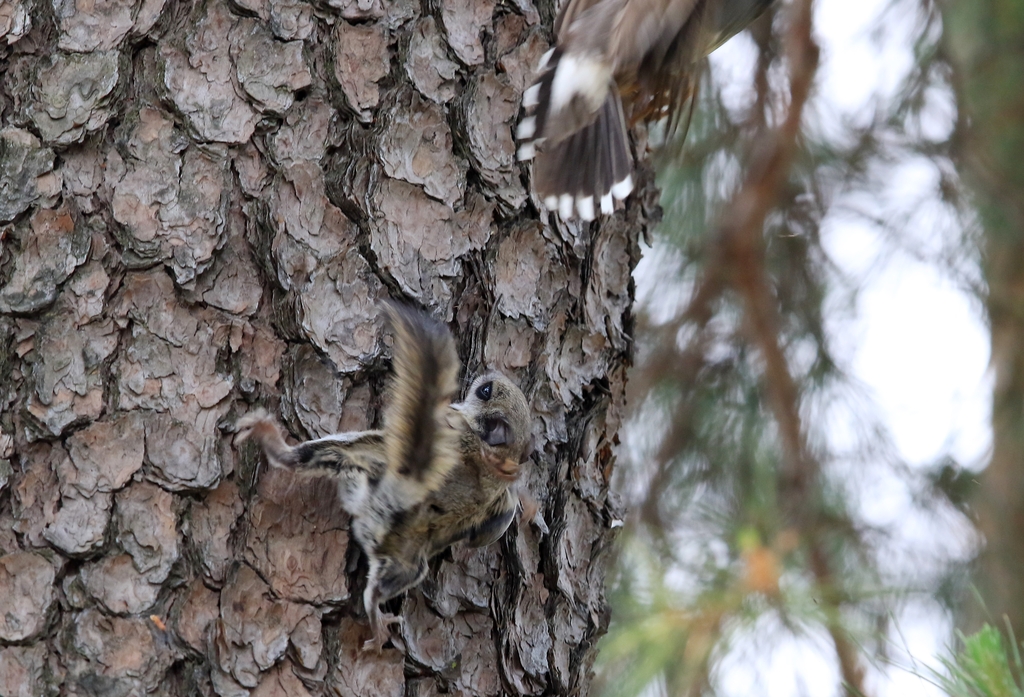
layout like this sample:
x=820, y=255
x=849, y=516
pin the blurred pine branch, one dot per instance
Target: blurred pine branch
x=985, y=666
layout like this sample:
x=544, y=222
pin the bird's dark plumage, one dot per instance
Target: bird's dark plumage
x=643, y=52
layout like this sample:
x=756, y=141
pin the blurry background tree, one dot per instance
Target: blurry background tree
x=986, y=42
x=780, y=540
x=202, y=205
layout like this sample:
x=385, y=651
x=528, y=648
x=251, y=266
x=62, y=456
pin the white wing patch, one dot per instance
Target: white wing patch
x=581, y=76
x=526, y=128
x=544, y=59
x=531, y=97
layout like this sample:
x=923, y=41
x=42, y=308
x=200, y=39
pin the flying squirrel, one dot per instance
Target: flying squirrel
x=436, y=473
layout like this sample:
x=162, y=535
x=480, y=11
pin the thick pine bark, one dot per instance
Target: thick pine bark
x=202, y=206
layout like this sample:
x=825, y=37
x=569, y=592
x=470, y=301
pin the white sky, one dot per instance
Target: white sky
x=916, y=342
x=919, y=342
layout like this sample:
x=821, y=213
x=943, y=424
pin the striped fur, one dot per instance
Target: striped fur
x=437, y=473
x=421, y=448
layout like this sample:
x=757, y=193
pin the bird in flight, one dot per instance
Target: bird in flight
x=614, y=57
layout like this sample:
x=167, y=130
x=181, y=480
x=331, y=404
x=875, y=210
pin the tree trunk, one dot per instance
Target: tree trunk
x=203, y=205
x=987, y=41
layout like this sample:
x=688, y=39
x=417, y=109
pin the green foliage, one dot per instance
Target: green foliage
x=726, y=546
x=985, y=667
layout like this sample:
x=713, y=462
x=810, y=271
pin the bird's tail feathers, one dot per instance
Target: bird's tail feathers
x=587, y=171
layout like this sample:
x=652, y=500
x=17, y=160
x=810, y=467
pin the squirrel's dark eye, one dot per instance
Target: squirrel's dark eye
x=484, y=391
